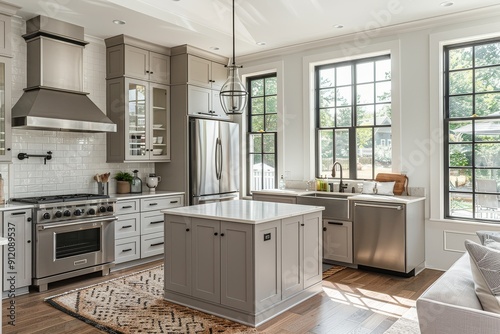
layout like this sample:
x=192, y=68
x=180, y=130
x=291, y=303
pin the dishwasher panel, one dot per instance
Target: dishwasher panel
x=380, y=235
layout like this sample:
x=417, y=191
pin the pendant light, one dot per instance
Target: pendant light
x=233, y=95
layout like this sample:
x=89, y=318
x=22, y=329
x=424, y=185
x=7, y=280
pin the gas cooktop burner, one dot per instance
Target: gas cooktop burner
x=58, y=198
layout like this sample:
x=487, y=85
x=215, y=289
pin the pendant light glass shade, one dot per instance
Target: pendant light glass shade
x=233, y=95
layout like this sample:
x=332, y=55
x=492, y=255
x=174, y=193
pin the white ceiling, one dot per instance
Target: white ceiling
x=207, y=23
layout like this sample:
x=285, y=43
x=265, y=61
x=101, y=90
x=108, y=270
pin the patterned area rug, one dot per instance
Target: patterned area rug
x=134, y=304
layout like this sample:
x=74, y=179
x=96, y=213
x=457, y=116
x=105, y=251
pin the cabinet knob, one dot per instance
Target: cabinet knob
x=216, y=233
x=187, y=230
x=222, y=234
x=151, y=72
x=29, y=219
x=29, y=241
x=301, y=224
x=147, y=71
x=8, y=148
x=324, y=228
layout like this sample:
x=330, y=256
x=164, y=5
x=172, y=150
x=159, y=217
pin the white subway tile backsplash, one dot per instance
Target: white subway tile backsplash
x=76, y=157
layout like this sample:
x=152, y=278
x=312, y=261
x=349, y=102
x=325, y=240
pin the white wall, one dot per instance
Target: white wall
x=76, y=156
x=416, y=107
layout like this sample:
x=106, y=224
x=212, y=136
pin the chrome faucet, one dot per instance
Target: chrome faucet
x=341, y=185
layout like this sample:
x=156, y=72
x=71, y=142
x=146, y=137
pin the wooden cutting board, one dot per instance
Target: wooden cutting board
x=400, y=179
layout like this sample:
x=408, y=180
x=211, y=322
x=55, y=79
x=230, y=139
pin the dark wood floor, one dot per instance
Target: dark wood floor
x=353, y=301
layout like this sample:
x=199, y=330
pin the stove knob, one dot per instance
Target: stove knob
x=102, y=209
x=91, y=211
x=67, y=213
x=77, y=212
x=46, y=215
x=110, y=208
x=58, y=214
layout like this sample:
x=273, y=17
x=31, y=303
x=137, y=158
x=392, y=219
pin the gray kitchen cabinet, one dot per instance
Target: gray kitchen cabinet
x=301, y=253
x=127, y=56
x=139, y=230
x=202, y=99
x=141, y=111
x=337, y=240
x=7, y=10
x=178, y=241
x=17, y=257
x=275, y=198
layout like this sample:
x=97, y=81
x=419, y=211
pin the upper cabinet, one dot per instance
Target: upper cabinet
x=205, y=73
x=126, y=56
x=138, y=100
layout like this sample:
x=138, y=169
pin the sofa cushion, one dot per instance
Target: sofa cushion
x=485, y=267
x=486, y=235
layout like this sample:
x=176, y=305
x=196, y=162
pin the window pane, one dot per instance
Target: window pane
x=364, y=94
x=326, y=98
x=255, y=143
x=487, y=155
x=327, y=118
x=487, y=207
x=487, y=105
x=461, y=106
x=364, y=73
x=256, y=171
x=383, y=70
x=487, y=130
x=271, y=86
x=488, y=79
x=383, y=114
x=460, y=179
x=383, y=150
x=344, y=75
x=257, y=88
x=257, y=124
x=383, y=91
x=271, y=105
x=269, y=142
x=271, y=122
x=460, y=58
x=344, y=117
x=460, y=155
x=257, y=105
x=487, y=180
x=364, y=153
x=365, y=115
x=461, y=205
x=269, y=171
x=325, y=151
x=327, y=77
x=460, y=82
x=460, y=132
x=342, y=150
x=488, y=54
x=344, y=96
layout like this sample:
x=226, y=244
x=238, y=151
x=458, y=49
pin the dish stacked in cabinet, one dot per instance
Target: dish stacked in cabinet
x=140, y=225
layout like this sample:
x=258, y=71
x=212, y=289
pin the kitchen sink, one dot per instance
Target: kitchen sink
x=336, y=204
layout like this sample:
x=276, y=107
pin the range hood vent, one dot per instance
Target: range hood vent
x=54, y=98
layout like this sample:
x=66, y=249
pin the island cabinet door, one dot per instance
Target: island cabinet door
x=313, y=247
x=178, y=254
x=237, y=276
x=206, y=259
x=292, y=256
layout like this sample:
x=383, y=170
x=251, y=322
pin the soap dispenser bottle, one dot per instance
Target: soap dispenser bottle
x=282, y=183
x=136, y=184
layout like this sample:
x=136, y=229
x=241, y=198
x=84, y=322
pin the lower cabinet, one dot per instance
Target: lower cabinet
x=337, y=240
x=17, y=254
x=140, y=225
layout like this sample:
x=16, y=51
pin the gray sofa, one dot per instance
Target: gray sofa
x=450, y=305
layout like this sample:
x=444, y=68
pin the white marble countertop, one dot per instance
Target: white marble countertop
x=243, y=211
x=15, y=206
x=383, y=198
x=145, y=194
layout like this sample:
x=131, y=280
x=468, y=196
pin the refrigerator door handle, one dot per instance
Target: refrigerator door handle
x=221, y=159
x=216, y=161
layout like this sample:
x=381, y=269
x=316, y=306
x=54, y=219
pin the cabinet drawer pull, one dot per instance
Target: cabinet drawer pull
x=173, y=202
x=153, y=204
x=126, y=250
x=157, y=244
x=126, y=226
x=127, y=207
x=157, y=222
x=18, y=213
x=335, y=223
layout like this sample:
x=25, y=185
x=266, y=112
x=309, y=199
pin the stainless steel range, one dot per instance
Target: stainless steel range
x=74, y=235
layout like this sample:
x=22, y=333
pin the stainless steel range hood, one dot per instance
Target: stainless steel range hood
x=54, y=98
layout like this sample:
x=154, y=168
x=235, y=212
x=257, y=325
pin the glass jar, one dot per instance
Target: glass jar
x=136, y=184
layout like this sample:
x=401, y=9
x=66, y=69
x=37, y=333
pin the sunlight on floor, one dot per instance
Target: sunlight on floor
x=382, y=303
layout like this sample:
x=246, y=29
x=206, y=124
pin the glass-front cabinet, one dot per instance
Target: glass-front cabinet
x=147, y=121
x=5, y=106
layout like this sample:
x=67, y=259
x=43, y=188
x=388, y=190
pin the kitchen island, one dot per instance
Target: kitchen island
x=247, y=261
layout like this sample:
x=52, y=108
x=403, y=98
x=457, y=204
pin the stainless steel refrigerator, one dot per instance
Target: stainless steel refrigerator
x=214, y=161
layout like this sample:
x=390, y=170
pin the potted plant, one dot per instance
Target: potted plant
x=123, y=180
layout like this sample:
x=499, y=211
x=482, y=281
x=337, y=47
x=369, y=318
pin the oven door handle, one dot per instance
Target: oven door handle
x=100, y=220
